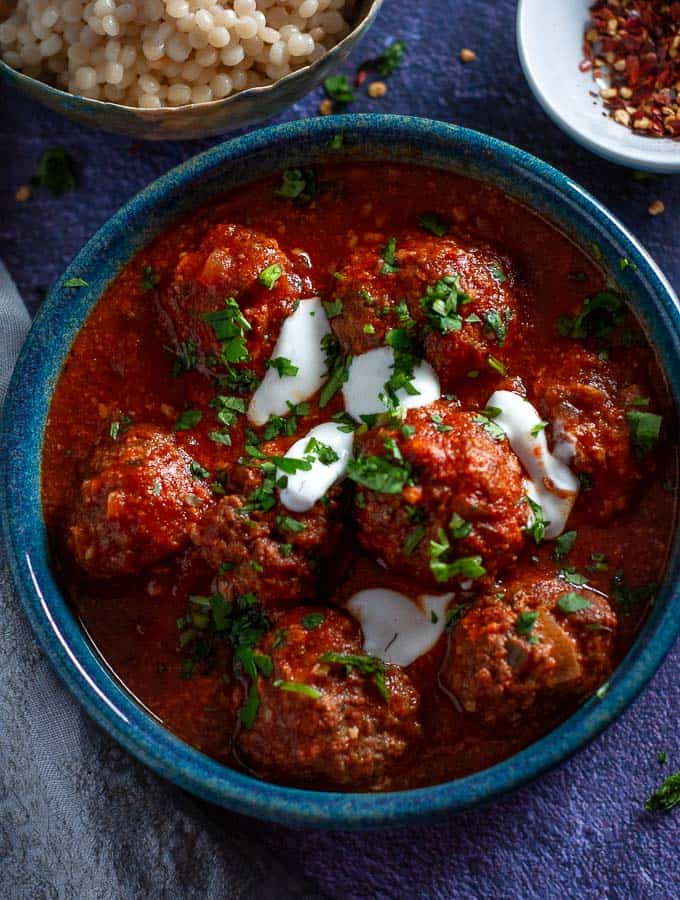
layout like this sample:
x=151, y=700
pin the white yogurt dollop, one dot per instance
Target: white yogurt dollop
x=306, y=486
x=368, y=375
x=551, y=483
x=396, y=628
x=300, y=342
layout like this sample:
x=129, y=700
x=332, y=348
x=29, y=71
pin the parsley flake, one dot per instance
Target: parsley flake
x=269, y=276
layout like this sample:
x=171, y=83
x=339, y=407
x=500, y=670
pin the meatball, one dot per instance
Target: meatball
x=464, y=500
x=274, y=554
x=583, y=399
x=473, y=282
x=369, y=301
x=532, y=647
x=462, y=297
x=227, y=265
x=348, y=733
x=135, y=505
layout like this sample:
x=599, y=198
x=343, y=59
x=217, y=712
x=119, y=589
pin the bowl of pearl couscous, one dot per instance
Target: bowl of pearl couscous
x=172, y=69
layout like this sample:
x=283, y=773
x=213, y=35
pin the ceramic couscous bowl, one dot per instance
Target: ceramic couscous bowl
x=197, y=120
x=375, y=138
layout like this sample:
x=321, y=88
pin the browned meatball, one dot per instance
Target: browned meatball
x=227, y=265
x=274, y=554
x=348, y=733
x=369, y=301
x=465, y=499
x=136, y=504
x=504, y=659
x=586, y=403
x=462, y=297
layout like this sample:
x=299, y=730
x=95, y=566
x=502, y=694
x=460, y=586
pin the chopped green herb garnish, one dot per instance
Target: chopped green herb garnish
x=230, y=325
x=55, y=172
x=379, y=474
x=538, y=428
x=149, y=278
x=455, y=614
x=184, y=357
x=287, y=523
x=441, y=304
x=667, y=796
x=297, y=184
x=368, y=328
x=498, y=273
x=197, y=470
x=431, y=222
x=75, y=283
x=283, y=366
x=494, y=323
x=444, y=569
x=323, y=452
x=571, y=576
x=496, y=365
x=337, y=142
x=338, y=89
x=269, y=276
x=390, y=264
x=563, y=545
x=661, y=757
x=188, y=419
x=600, y=314
x=486, y=421
x=296, y=687
x=537, y=523
x=391, y=58
x=120, y=426
x=312, y=621
x=572, y=602
x=337, y=368
x=333, y=307
x=629, y=597
x=290, y=465
x=524, y=625
x=459, y=528
x=413, y=538
x=364, y=665
x=645, y=428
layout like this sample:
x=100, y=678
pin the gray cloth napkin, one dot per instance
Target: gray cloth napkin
x=79, y=817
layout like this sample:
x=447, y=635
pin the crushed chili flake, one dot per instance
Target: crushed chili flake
x=635, y=46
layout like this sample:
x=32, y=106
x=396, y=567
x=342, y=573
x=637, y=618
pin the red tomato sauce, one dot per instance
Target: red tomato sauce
x=120, y=366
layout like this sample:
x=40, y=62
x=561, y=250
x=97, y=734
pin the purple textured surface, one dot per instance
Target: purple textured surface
x=580, y=831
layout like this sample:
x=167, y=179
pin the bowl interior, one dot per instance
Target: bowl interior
x=552, y=70
x=383, y=138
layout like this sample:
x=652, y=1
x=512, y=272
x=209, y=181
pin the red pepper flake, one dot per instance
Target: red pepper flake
x=636, y=45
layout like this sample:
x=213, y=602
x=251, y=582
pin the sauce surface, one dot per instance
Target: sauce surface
x=122, y=372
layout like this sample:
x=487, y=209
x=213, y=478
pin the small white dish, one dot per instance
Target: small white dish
x=550, y=47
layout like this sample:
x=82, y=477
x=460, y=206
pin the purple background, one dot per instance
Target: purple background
x=580, y=831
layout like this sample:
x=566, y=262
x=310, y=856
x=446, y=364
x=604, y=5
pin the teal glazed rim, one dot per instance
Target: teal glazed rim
x=382, y=138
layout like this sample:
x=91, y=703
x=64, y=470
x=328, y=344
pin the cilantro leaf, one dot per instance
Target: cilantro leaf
x=431, y=222
x=269, y=276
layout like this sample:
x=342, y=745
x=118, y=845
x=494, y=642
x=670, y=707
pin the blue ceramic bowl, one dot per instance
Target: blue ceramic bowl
x=387, y=138
x=197, y=120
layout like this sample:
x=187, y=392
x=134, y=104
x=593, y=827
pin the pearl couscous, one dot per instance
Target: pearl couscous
x=153, y=53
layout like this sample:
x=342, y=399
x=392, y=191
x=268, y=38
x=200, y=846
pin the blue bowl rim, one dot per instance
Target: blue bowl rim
x=88, y=677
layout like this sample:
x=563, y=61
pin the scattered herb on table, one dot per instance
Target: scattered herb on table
x=667, y=796
x=55, y=172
